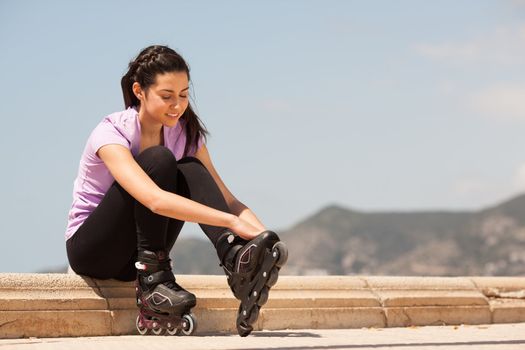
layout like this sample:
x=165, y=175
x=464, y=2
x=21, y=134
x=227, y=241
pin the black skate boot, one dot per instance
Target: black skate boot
x=163, y=304
x=252, y=268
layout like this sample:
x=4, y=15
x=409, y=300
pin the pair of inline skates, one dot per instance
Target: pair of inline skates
x=252, y=268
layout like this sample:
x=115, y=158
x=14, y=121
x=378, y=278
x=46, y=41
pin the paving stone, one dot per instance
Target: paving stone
x=507, y=310
x=317, y=318
x=419, y=283
x=20, y=324
x=437, y=315
x=416, y=298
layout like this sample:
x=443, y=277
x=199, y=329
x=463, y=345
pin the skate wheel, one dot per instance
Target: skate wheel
x=189, y=324
x=172, y=330
x=272, y=279
x=280, y=249
x=244, y=329
x=158, y=330
x=263, y=296
x=140, y=327
x=254, y=315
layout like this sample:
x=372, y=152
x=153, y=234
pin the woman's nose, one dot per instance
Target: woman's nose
x=175, y=105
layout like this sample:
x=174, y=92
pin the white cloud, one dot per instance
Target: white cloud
x=505, y=45
x=505, y=101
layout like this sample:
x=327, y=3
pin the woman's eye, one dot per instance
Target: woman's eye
x=183, y=96
x=166, y=97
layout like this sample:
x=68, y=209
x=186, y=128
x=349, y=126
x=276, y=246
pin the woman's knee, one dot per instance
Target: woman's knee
x=156, y=154
x=159, y=163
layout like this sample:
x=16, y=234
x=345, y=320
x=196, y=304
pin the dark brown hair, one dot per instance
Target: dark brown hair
x=158, y=59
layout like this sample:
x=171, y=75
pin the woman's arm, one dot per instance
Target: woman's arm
x=245, y=213
x=138, y=184
x=237, y=208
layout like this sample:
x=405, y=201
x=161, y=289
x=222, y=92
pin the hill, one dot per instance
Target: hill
x=337, y=240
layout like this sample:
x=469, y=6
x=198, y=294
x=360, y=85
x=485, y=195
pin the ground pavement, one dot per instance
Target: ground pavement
x=479, y=337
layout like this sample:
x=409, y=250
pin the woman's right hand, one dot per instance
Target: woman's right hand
x=244, y=229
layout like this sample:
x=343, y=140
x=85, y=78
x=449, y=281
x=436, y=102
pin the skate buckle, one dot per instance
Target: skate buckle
x=140, y=266
x=230, y=239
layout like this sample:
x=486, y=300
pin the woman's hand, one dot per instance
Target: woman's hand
x=244, y=229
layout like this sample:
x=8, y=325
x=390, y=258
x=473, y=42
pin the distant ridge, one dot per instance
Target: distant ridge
x=336, y=240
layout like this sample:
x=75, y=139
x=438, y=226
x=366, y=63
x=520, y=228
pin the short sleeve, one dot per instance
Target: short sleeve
x=106, y=134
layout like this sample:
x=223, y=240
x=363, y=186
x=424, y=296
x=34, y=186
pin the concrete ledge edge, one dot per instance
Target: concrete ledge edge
x=49, y=305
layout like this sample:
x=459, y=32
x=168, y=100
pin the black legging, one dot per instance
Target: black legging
x=106, y=244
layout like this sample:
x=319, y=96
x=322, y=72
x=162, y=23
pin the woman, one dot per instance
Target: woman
x=143, y=173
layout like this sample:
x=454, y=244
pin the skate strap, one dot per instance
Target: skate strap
x=153, y=266
x=159, y=277
x=164, y=265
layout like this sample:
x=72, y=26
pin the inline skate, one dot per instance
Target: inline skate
x=163, y=304
x=252, y=268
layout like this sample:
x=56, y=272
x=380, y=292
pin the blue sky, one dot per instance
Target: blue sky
x=372, y=105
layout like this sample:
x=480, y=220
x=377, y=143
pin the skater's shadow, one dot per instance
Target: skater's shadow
x=285, y=334
x=264, y=334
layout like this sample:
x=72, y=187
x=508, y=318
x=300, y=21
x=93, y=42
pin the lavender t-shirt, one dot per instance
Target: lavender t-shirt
x=94, y=179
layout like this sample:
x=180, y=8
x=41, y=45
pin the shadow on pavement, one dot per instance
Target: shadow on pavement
x=264, y=334
x=285, y=334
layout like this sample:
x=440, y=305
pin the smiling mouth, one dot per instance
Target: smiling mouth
x=172, y=115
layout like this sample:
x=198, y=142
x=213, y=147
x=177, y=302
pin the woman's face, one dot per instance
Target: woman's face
x=166, y=100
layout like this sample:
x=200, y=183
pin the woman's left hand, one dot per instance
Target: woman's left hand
x=244, y=229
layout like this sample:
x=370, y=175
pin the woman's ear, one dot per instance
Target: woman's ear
x=137, y=90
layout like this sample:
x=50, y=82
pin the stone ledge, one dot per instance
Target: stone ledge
x=55, y=305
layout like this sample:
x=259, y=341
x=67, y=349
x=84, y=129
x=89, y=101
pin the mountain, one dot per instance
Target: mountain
x=337, y=240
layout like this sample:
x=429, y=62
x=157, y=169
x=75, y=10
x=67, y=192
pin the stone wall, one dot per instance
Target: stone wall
x=57, y=305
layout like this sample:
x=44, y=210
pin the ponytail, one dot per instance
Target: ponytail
x=126, y=82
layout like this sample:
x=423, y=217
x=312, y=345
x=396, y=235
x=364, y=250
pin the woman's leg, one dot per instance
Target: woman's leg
x=195, y=182
x=160, y=164
x=105, y=246
x=252, y=269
